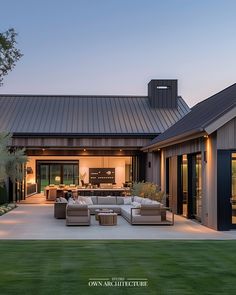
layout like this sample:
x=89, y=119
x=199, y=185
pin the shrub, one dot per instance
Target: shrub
x=6, y=208
x=148, y=190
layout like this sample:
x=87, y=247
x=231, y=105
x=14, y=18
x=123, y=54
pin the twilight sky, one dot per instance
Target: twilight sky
x=117, y=46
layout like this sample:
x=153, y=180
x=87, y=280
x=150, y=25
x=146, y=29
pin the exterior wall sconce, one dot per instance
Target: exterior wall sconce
x=205, y=156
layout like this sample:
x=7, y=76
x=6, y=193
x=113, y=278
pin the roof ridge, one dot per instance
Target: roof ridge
x=212, y=96
x=72, y=95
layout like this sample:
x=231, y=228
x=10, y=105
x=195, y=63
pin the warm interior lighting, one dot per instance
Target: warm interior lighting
x=57, y=178
x=84, y=150
x=158, y=149
x=120, y=150
x=43, y=150
x=205, y=136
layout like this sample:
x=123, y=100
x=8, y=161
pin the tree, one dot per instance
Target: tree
x=9, y=54
x=12, y=161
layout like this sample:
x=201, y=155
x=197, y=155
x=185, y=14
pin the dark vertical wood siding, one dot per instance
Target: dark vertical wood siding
x=226, y=136
x=161, y=97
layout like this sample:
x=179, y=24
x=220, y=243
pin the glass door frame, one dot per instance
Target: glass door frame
x=224, y=189
x=51, y=162
x=190, y=198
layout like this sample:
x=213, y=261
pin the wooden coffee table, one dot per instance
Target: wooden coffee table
x=107, y=218
x=97, y=211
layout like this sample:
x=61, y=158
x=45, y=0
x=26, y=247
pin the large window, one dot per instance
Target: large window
x=56, y=173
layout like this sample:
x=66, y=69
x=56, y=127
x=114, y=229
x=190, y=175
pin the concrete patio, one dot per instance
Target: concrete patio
x=37, y=222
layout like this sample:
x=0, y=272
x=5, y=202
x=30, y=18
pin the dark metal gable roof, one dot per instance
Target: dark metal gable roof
x=85, y=115
x=201, y=115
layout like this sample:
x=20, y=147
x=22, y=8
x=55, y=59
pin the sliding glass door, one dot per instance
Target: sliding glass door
x=190, y=184
x=184, y=170
x=53, y=172
x=197, y=186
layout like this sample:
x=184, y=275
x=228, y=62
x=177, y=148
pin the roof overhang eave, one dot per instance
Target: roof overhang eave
x=193, y=134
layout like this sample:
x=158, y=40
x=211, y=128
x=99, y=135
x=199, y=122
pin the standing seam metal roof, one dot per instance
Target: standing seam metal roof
x=201, y=115
x=130, y=115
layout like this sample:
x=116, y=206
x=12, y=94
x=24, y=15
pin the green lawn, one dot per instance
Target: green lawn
x=65, y=267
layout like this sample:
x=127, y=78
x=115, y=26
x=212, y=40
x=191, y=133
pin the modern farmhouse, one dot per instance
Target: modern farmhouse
x=104, y=143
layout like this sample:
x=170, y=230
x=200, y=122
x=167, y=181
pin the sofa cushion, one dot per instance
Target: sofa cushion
x=146, y=201
x=71, y=201
x=77, y=210
x=106, y=200
x=76, y=207
x=136, y=204
x=127, y=200
x=150, y=210
x=94, y=199
x=155, y=202
x=126, y=211
x=120, y=200
x=140, y=219
x=61, y=200
x=138, y=199
x=88, y=200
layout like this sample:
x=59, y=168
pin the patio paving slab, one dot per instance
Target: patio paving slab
x=37, y=222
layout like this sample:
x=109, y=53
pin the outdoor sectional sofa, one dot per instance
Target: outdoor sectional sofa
x=135, y=210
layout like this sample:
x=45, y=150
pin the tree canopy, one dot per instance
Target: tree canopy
x=9, y=54
x=12, y=161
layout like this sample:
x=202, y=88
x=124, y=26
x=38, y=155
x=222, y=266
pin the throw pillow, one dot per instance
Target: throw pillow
x=63, y=200
x=136, y=204
x=71, y=201
x=138, y=199
x=88, y=201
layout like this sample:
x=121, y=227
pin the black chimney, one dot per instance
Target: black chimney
x=163, y=93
